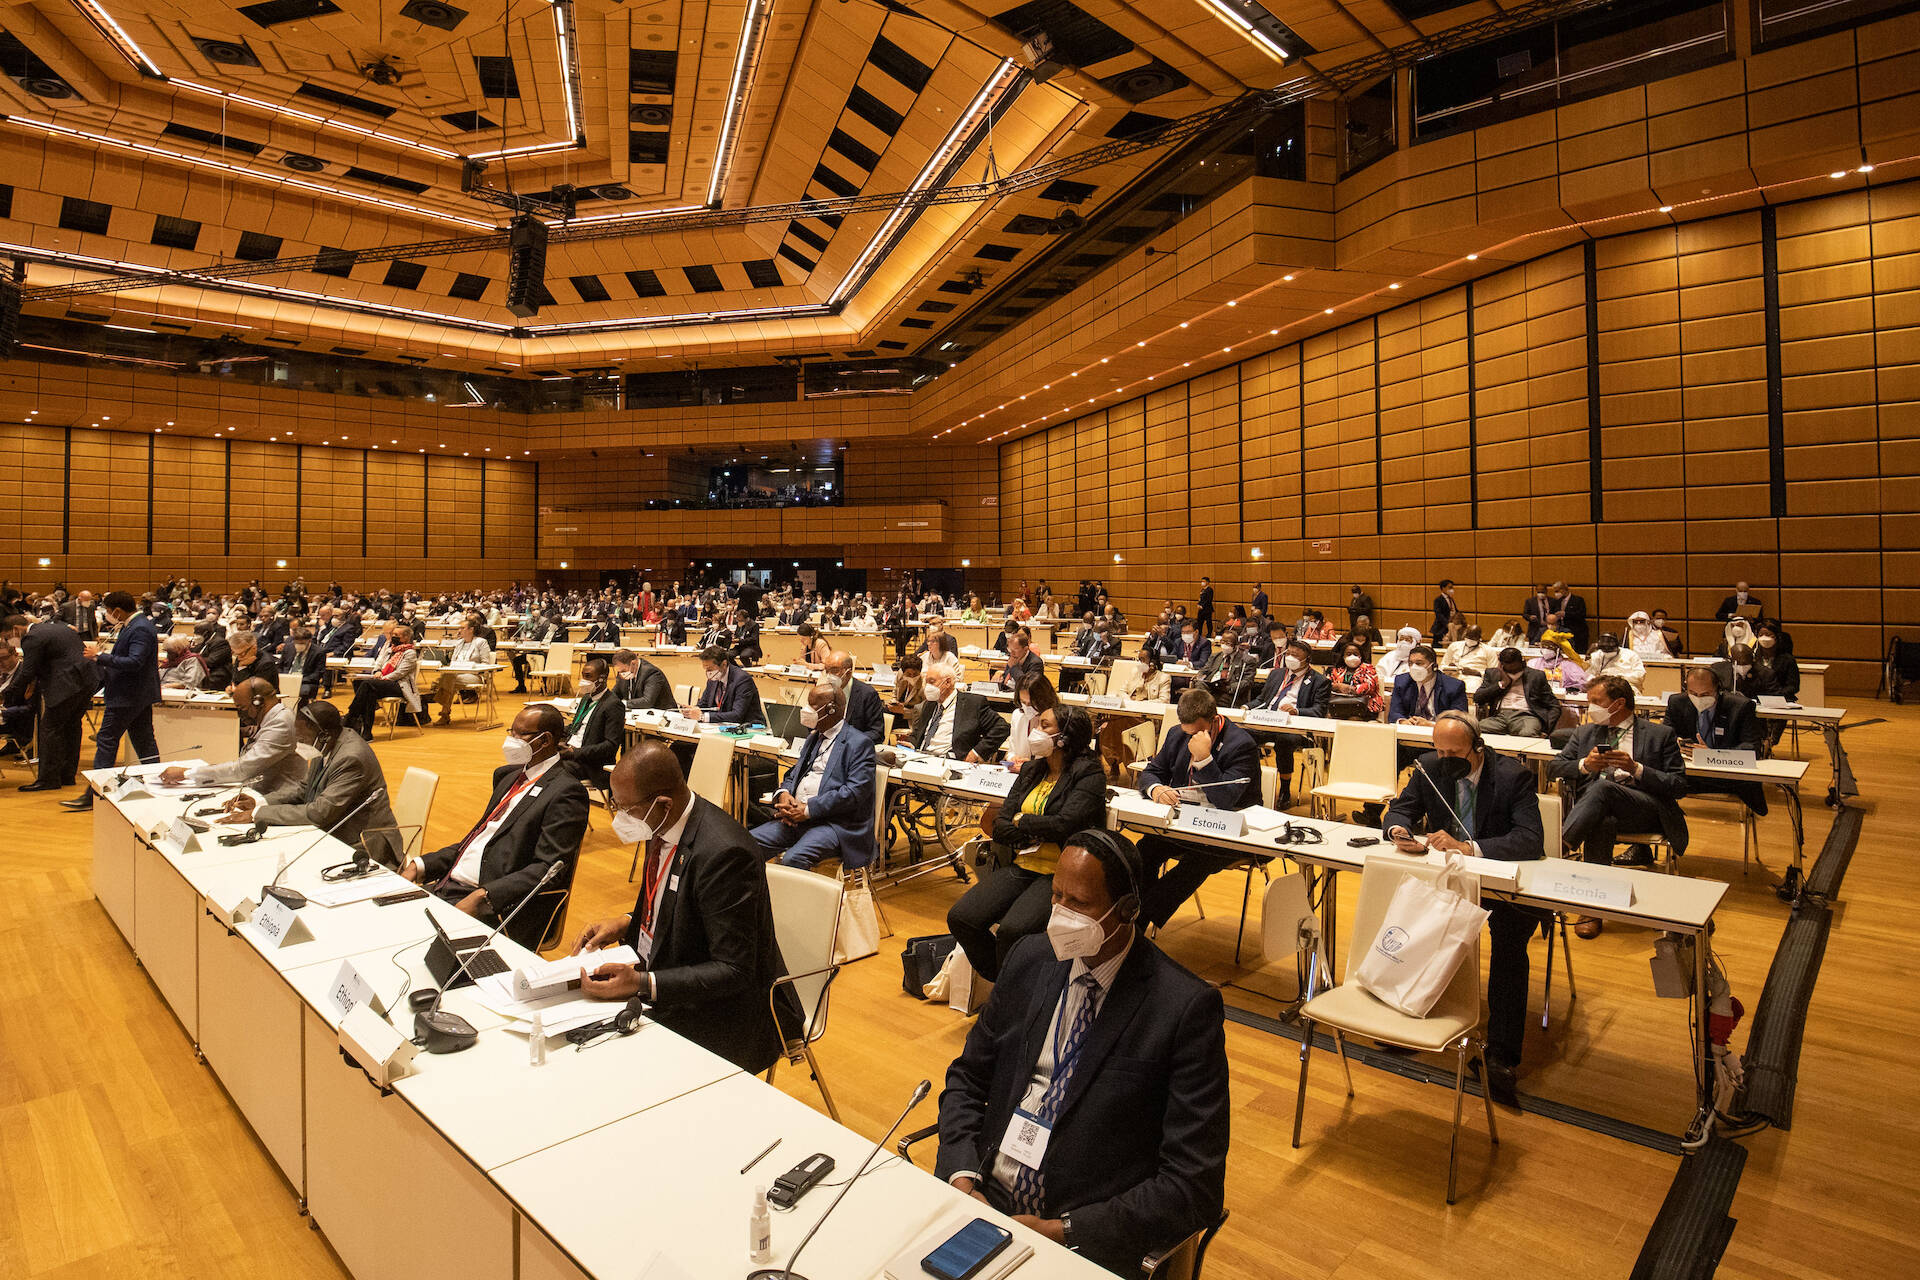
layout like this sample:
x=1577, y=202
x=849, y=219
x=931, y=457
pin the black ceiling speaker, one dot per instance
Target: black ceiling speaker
x=612, y=191
x=526, y=266
x=433, y=13
x=1146, y=82
x=659, y=114
x=49, y=87
x=231, y=53
x=1064, y=221
x=303, y=162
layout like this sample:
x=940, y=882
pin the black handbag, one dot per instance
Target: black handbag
x=922, y=960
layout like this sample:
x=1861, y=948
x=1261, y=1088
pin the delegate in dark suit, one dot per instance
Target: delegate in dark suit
x=865, y=711
x=647, y=687
x=1505, y=813
x=218, y=655
x=1138, y=1151
x=129, y=688
x=543, y=828
x=732, y=699
x=311, y=667
x=346, y=774
x=1017, y=669
x=595, y=735
x=54, y=661
x=1540, y=714
x=1231, y=780
x=1412, y=701
x=977, y=727
x=1732, y=721
x=839, y=821
x=1604, y=804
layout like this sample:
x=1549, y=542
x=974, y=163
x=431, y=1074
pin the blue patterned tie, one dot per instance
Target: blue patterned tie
x=1466, y=797
x=1028, y=1187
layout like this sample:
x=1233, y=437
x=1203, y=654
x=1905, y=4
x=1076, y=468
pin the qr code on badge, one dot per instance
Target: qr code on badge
x=1029, y=1133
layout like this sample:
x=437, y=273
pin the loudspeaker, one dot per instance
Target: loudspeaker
x=10, y=284
x=526, y=266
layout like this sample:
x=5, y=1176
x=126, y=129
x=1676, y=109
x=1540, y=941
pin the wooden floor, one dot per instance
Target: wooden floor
x=120, y=1157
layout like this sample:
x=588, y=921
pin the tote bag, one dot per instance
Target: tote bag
x=859, y=934
x=1428, y=930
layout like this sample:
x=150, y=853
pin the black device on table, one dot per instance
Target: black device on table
x=445, y=955
x=797, y=1181
x=967, y=1250
x=399, y=896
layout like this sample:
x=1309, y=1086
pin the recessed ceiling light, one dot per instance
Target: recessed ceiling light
x=1473, y=257
x=1394, y=285
x=1666, y=208
x=1838, y=174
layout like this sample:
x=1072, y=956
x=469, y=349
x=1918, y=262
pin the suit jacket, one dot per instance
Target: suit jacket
x=602, y=633
x=334, y=784
x=746, y=642
x=1449, y=694
x=1032, y=664
x=1205, y=603
x=84, y=619
x=603, y=736
x=1535, y=614
x=311, y=666
x=338, y=638
x=1139, y=1149
x=1736, y=724
x=845, y=799
x=262, y=666
x=715, y=953
x=865, y=711
x=132, y=670
x=977, y=727
x=734, y=700
x=1506, y=808
x=54, y=662
x=1663, y=773
x=1310, y=692
x=1574, y=620
x=648, y=687
x=1443, y=611
x=544, y=829
x=1542, y=702
x=217, y=654
x=1731, y=606
x=1235, y=759
x=1197, y=656
x=1078, y=801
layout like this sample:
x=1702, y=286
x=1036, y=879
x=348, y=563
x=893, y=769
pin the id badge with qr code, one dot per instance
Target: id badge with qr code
x=1026, y=1139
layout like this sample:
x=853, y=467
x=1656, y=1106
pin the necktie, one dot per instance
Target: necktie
x=493, y=815
x=1706, y=727
x=1028, y=1186
x=933, y=726
x=650, y=882
x=1464, y=798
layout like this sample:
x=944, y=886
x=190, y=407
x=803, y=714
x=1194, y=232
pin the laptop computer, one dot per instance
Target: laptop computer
x=445, y=955
x=783, y=720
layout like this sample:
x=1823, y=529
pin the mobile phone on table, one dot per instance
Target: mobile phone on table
x=966, y=1251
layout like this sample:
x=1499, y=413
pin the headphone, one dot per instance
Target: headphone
x=1111, y=846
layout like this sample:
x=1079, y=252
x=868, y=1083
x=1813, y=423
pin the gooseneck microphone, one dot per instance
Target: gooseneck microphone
x=1441, y=793
x=293, y=897
x=920, y=1092
x=441, y=1032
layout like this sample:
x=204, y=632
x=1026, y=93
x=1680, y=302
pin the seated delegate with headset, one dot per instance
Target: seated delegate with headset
x=344, y=791
x=1090, y=1099
x=1205, y=760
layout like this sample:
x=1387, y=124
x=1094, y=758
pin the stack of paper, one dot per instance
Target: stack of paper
x=538, y=979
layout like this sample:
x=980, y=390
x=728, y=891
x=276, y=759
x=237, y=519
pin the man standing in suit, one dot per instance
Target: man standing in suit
x=80, y=614
x=1260, y=599
x=1205, y=760
x=534, y=819
x=825, y=803
x=1710, y=714
x=864, y=710
x=729, y=696
x=598, y=728
x=130, y=687
x=1627, y=774
x=1470, y=799
x=1359, y=603
x=53, y=660
x=344, y=776
x=1203, y=609
x=637, y=681
x=961, y=727
x=1090, y=1100
x=1516, y=699
x=1444, y=612
x=702, y=922
x=1742, y=603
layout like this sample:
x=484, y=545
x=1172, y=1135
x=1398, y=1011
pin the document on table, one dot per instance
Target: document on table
x=541, y=978
x=562, y=1010
x=347, y=892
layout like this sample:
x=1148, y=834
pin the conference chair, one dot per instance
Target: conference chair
x=1555, y=924
x=387, y=712
x=806, y=918
x=1362, y=768
x=556, y=669
x=413, y=803
x=290, y=686
x=881, y=830
x=1453, y=1024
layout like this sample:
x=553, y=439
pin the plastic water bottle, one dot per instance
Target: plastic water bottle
x=759, y=1229
x=537, y=1043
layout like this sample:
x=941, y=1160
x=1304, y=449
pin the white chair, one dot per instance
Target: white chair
x=864, y=875
x=412, y=805
x=712, y=768
x=556, y=671
x=806, y=918
x=1362, y=767
x=1122, y=673
x=1452, y=1024
x=1556, y=930
x=290, y=685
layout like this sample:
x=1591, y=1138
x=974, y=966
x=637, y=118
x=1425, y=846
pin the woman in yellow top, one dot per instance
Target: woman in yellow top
x=1061, y=790
x=975, y=611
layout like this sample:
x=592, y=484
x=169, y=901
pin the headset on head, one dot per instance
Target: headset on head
x=1121, y=850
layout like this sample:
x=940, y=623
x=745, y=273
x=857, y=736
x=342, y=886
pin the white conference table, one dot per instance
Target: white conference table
x=366, y=1161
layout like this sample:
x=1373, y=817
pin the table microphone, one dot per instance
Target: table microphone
x=1441, y=794
x=293, y=897
x=126, y=770
x=441, y=1032
x=920, y=1092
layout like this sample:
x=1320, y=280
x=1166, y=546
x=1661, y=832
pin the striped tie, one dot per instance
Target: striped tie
x=1028, y=1187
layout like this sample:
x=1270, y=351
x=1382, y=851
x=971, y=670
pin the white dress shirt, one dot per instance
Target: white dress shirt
x=809, y=786
x=942, y=741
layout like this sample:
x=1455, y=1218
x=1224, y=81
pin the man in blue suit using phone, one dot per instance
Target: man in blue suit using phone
x=130, y=687
x=825, y=803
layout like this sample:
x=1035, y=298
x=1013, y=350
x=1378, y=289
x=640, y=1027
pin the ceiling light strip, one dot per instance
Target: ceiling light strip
x=117, y=37
x=1003, y=78
x=314, y=118
x=1224, y=10
x=238, y=171
x=569, y=70
x=752, y=31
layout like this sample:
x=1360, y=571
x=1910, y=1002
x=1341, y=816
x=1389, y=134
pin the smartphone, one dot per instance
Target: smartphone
x=398, y=896
x=966, y=1251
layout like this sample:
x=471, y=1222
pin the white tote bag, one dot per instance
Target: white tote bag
x=1429, y=929
x=859, y=934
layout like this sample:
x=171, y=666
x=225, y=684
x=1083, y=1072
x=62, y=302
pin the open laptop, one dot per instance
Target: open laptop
x=783, y=720
x=446, y=954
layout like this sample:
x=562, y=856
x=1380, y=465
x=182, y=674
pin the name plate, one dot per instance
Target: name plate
x=984, y=686
x=277, y=923
x=177, y=839
x=882, y=673
x=1107, y=702
x=348, y=991
x=131, y=788
x=1593, y=888
x=1204, y=820
x=997, y=783
x=1725, y=758
x=1270, y=718
x=800, y=669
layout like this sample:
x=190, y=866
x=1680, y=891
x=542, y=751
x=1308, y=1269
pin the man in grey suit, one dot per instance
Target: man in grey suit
x=344, y=776
x=270, y=762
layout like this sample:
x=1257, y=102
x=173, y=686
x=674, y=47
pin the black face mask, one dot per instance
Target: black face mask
x=1451, y=769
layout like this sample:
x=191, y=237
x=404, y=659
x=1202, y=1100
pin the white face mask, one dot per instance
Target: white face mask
x=1186, y=637
x=1074, y=936
x=631, y=830
x=809, y=718
x=1353, y=659
x=1640, y=627
x=517, y=751
x=1421, y=674
x=1765, y=642
x=1597, y=715
x=1295, y=662
x=1701, y=701
x=588, y=688
x=1039, y=744
x=1401, y=647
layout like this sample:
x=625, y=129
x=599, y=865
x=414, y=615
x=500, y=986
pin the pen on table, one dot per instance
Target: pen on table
x=762, y=1156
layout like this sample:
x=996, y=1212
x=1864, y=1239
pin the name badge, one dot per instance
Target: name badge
x=800, y=669
x=1270, y=717
x=1597, y=889
x=348, y=991
x=1725, y=758
x=1026, y=1140
x=1107, y=702
x=277, y=923
x=1203, y=820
